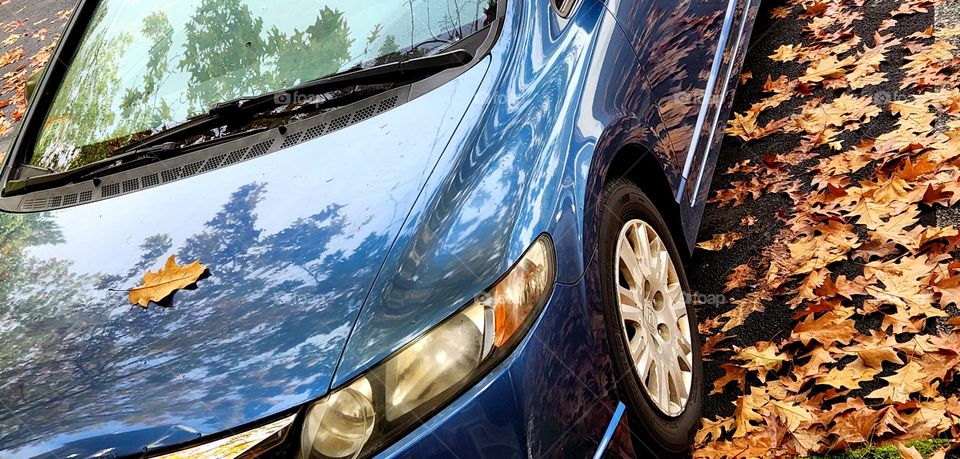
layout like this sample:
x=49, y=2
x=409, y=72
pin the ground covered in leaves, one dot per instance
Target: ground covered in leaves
x=30, y=32
x=840, y=327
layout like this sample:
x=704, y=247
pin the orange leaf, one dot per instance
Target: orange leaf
x=160, y=285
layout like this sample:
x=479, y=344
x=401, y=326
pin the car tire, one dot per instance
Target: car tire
x=660, y=427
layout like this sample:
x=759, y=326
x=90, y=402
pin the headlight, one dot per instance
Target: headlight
x=247, y=444
x=370, y=412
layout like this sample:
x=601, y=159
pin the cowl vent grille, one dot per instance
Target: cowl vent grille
x=203, y=161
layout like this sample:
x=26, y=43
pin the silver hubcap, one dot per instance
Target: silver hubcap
x=654, y=317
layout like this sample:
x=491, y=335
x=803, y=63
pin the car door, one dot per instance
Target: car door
x=690, y=51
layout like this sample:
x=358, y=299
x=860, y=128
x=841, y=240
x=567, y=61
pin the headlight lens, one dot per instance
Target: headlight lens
x=247, y=444
x=360, y=418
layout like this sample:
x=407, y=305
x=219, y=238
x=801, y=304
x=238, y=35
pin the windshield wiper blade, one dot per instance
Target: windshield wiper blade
x=254, y=105
x=380, y=74
x=126, y=160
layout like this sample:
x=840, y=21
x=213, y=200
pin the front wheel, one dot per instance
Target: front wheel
x=652, y=330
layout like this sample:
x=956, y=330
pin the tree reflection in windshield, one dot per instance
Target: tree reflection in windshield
x=139, y=71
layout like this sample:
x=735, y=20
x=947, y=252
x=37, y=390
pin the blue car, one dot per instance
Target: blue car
x=423, y=228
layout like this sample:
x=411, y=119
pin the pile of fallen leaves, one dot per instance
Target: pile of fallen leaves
x=24, y=50
x=871, y=281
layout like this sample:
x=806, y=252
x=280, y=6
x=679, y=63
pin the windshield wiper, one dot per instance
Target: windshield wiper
x=250, y=106
x=124, y=161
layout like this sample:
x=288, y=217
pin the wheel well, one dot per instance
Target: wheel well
x=638, y=165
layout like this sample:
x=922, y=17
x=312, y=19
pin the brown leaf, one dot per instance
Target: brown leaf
x=827, y=329
x=160, y=285
x=762, y=358
x=731, y=373
x=907, y=380
x=720, y=241
x=908, y=452
x=741, y=276
x=791, y=414
x=747, y=412
x=712, y=430
x=874, y=357
x=785, y=53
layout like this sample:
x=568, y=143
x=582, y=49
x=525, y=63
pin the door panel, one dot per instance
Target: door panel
x=687, y=50
x=676, y=42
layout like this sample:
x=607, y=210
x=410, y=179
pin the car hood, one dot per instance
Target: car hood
x=293, y=242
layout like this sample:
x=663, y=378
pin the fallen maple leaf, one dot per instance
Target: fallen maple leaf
x=763, y=358
x=747, y=412
x=785, y=53
x=160, y=285
x=720, y=241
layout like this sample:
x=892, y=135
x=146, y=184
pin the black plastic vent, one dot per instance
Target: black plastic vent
x=364, y=113
x=192, y=164
x=340, y=123
x=110, y=190
x=259, y=149
x=170, y=175
x=35, y=203
x=212, y=163
x=150, y=180
x=234, y=156
x=314, y=132
x=191, y=169
x=291, y=140
x=131, y=185
x=387, y=104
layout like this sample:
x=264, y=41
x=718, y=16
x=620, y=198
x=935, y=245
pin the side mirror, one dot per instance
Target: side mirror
x=32, y=84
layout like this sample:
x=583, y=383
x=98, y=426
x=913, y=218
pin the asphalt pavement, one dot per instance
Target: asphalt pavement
x=28, y=25
x=708, y=269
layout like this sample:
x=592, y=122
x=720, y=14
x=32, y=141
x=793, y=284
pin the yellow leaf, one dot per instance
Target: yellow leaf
x=747, y=412
x=874, y=357
x=791, y=414
x=712, y=430
x=908, y=452
x=763, y=359
x=850, y=377
x=785, y=53
x=900, y=385
x=720, y=241
x=160, y=285
x=829, y=67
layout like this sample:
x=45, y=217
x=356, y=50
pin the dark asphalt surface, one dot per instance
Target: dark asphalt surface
x=708, y=269
x=27, y=19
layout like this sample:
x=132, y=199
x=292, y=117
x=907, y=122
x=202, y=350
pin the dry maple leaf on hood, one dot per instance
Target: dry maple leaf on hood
x=163, y=283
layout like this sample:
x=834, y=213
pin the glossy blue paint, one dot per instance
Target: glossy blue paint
x=292, y=240
x=328, y=256
x=520, y=169
x=677, y=45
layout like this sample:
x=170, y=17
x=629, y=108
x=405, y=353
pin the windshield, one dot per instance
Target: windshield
x=145, y=65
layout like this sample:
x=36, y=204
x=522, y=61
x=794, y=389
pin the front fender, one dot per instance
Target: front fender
x=557, y=97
